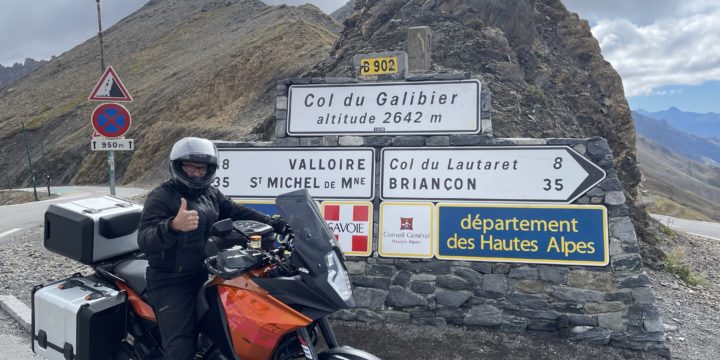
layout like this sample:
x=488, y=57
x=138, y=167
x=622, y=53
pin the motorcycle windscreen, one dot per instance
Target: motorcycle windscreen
x=313, y=244
x=312, y=234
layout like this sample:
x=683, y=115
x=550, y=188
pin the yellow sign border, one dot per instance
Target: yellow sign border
x=370, y=222
x=606, y=257
x=433, y=234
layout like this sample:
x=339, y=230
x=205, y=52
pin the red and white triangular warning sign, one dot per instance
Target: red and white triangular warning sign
x=110, y=88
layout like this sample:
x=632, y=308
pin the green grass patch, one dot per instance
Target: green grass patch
x=673, y=264
x=666, y=230
x=50, y=113
x=664, y=206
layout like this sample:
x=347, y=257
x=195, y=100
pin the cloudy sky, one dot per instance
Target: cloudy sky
x=666, y=51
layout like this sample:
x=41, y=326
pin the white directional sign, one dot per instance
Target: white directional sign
x=345, y=173
x=426, y=107
x=548, y=174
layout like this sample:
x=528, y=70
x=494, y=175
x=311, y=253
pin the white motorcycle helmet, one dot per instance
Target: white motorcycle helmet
x=195, y=150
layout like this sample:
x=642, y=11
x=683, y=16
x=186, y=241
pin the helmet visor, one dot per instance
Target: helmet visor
x=195, y=150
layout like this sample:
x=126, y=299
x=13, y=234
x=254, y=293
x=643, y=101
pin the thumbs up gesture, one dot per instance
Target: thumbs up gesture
x=185, y=220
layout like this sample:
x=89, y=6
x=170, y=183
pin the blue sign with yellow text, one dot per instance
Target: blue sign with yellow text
x=545, y=234
x=267, y=207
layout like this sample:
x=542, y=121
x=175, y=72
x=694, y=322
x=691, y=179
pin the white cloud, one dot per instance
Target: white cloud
x=669, y=51
x=667, y=92
x=641, y=12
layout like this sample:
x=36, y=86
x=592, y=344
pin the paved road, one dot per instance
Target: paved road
x=15, y=218
x=701, y=228
x=15, y=348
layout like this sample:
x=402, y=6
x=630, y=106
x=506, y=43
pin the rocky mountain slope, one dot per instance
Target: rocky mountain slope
x=344, y=11
x=10, y=74
x=194, y=67
x=681, y=171
x=676, y=185
x=541, y=63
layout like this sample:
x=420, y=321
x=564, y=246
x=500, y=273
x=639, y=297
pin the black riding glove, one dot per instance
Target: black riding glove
x=280, y=226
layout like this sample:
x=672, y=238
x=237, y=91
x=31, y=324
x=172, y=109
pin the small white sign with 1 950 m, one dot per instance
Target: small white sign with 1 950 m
x=104, y=144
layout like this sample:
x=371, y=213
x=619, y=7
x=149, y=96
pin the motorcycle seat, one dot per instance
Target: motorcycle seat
x=133, y=272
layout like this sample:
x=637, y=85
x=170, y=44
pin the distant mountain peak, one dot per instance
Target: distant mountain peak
x=10, y=74
x=705, y=125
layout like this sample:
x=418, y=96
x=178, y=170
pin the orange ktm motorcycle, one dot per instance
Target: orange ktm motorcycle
x=263, y=300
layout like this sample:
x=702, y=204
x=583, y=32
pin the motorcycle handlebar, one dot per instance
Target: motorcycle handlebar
x=277, y=254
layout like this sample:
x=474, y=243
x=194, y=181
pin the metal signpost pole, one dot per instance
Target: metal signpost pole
x=47, y=172
x=111, y=154
x=32, y=171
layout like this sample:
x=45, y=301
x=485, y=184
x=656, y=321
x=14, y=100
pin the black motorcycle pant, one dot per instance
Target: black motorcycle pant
x=173, y=297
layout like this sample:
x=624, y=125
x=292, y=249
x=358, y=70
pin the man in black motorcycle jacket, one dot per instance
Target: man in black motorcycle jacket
x=174, y=227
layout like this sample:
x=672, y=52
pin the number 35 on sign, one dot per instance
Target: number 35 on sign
x=102, y=144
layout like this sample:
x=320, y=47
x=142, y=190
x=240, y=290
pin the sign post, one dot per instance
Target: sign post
x=110, y=120
x=108, y=88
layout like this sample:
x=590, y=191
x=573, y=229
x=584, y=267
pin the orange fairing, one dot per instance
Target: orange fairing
x=256, y=320
x=140, y=307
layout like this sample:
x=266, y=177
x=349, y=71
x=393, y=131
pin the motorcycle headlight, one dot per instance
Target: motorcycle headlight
x=337, y=276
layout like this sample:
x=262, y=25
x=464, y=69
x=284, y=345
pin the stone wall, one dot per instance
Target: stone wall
x=612, y=305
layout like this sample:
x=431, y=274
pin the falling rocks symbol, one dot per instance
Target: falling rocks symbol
x=110, y=88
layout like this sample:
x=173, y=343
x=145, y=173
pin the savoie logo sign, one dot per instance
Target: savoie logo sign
x=545, y=234
x=426, y=107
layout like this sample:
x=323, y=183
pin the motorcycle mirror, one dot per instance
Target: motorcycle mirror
x=221, y=228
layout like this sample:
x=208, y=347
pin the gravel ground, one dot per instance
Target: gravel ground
x=9, y=197
x=24, y=263
x=691, y=314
